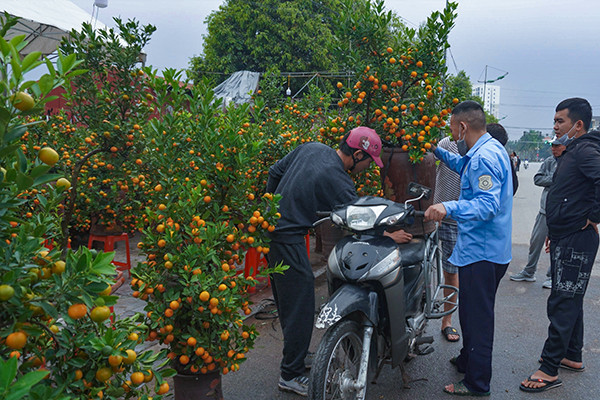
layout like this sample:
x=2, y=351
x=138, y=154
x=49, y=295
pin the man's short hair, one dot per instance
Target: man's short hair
x=578, y=109
x=471, y=112
x=498, y=132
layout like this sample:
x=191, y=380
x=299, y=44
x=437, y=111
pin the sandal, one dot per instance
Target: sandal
x=547, y=385
x=447, y=331
x=459, y=389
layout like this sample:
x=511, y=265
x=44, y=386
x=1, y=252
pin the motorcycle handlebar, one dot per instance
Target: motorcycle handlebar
x=323, y=214
x=419, y=213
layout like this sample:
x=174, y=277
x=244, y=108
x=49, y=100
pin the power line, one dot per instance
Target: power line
x=528, y=127
x=547, y=91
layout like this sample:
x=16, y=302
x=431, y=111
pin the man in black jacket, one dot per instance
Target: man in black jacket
x=572, y=213
x=311, y=178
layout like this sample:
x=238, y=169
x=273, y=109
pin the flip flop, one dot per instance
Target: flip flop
x=461, y=390
x=547, y=385
x=447, y=331
x=568, y=367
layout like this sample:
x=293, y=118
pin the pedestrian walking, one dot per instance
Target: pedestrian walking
x=539, y=232
x=483, y=245
x=572, y=214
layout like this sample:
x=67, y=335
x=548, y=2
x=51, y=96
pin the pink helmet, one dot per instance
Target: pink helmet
x=366, y=139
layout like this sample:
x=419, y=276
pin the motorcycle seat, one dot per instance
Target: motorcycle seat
x=412, y=252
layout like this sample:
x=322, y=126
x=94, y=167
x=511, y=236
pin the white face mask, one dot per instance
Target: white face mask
x=564, y=139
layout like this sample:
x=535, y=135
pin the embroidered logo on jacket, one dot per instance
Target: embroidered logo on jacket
x=485, y=182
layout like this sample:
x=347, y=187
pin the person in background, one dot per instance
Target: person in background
x=311, y=178
x=499, y=133
x=572, y=215
x=483, y=246
x=539, y=232
x=447, y=188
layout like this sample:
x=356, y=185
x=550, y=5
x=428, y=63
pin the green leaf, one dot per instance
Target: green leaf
x=8, y=371
x=4, y=152
x=39, y=170
x=15, y=133
x=22, y=160
x=46, y=83
x=30, y=59
x=24, y=384
x=45, y=179
x=50, y=66
x=16, y=40
x=23, y=181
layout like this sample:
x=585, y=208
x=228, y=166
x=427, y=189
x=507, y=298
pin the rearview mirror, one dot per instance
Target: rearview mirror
x=417, y=190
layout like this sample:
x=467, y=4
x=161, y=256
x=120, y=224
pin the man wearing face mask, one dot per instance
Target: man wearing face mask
x=572, y=214
x=483, y=246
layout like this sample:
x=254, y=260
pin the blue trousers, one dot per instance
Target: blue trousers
x=478, y=285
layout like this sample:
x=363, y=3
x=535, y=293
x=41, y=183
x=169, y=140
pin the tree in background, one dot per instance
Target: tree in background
x=250, y=35
x=531, y=146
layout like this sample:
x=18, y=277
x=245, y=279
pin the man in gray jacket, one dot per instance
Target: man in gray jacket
x=539, y=233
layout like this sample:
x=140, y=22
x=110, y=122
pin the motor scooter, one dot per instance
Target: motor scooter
x=381, y=296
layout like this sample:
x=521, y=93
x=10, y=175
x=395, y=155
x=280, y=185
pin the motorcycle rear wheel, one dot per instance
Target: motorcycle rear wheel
x=337, y=363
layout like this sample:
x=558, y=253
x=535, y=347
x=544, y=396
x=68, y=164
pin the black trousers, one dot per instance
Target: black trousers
x=294, y=293
x=571, y=261
x=478, y=286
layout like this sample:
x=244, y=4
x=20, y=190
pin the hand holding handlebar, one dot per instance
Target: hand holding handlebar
x=436, y=212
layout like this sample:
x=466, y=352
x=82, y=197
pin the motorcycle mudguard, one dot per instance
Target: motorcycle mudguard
x=347, y=300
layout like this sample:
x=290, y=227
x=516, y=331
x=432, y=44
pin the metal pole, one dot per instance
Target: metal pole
x=484, y=87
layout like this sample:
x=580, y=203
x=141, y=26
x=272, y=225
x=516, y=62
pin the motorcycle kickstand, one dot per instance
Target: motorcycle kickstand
x=406, y=379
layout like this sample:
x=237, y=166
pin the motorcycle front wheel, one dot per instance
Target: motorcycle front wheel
x=337, y=362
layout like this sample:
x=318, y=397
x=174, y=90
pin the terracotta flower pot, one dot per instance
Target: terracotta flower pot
x=399, y=172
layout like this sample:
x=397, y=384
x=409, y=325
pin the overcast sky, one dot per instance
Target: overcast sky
x=550, y=48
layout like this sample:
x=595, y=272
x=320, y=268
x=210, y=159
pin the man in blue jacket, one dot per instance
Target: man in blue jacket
x=483, y=247
x=572, y=214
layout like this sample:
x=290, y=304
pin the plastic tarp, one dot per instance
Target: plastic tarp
x=45, y=22
x=238, y=88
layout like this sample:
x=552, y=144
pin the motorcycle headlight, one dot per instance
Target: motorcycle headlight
x=384, y=266
x=363, y=218
x=392, y=219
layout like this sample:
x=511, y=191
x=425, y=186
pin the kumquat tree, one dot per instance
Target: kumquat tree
x=400, y=74
x=205, y=211
x=56, y=340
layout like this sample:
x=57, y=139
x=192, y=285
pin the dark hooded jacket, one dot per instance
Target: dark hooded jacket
x=574, y=196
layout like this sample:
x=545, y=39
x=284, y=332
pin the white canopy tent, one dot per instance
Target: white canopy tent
x=45, y=22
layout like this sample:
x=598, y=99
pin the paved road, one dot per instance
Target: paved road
x=521, y=327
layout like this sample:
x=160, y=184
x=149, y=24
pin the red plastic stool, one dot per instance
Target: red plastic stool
x=109, y=245
x=254, y=260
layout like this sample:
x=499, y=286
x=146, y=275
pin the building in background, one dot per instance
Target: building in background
x=491, y=98
x=595, y=123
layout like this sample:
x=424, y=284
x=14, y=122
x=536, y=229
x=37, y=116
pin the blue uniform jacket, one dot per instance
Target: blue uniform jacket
x=484, y=208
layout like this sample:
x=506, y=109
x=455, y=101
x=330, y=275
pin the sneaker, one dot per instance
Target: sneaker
x=308, y=360
x=547, y=284
x=522, y=277
x=298, y=385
